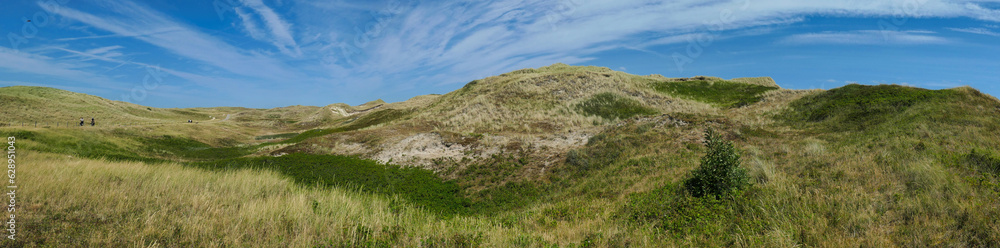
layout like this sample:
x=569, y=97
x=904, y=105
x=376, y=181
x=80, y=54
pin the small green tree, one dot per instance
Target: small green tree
x=720, y=171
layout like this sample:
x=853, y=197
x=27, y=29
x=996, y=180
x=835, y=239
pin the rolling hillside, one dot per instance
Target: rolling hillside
x=41, y=104
x=562, y=156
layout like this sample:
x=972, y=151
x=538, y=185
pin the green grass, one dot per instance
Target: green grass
x=722, y=93
x=420, y=187
x=508, y=196
x=49, y=105
x=375, y=118
x=276, y=136
x=78, y=143
x=669, y=209
x=612, y=106
x=124, y=146
x=876, y=166
x=189, y=149
x=858, y=107
x=983, y=162
x=493, y=184
x=310, y=134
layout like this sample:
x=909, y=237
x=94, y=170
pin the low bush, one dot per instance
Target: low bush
x=720, y=172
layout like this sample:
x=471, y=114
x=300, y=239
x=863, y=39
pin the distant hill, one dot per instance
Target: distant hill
x=42, y=104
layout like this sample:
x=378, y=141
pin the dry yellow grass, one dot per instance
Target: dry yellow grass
x=47, y=105
x=763, y=81
x=541, y=100
x=86, y=203
x=92, y=203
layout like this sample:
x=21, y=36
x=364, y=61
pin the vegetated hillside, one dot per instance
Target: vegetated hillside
x=880, y=166
x=298, y=119
x=42, y=104
x=558, y=98
x=539, y=113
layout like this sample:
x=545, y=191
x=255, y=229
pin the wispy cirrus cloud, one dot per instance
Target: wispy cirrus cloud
x=468, y=38
x=982, y=31
x=38, y=64
x=278, y=31
x=145, y=24
x=357, y=50
x=868, y=37
x=107, y=53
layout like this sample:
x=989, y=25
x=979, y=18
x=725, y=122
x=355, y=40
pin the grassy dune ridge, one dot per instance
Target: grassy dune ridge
x=882, y=166
x=48, y=105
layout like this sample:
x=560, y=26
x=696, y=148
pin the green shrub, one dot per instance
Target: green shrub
x=722, y=93
x=720, y=171
x=611, y=106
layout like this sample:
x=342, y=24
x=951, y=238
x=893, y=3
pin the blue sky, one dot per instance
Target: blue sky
x=271, y=53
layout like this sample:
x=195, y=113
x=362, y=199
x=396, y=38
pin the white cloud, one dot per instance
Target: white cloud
x=92, y=54
x=250, y=25
x=448, y=42
x=280, y=34
x=866, y=37
x=157, y=29
x=103, y=50
x=218, y=83
x=470, y=38
x=981, y=31
x=40, y=65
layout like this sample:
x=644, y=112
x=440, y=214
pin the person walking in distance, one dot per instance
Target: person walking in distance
x=92, y=123
x=81, y=121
